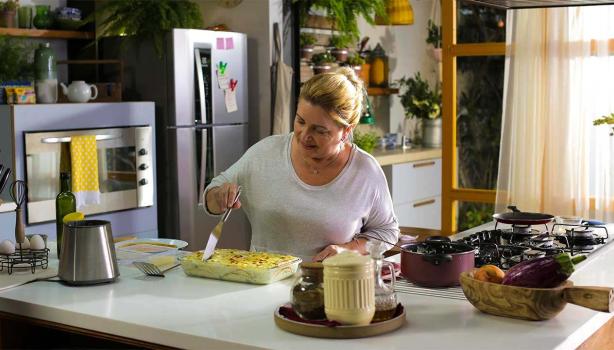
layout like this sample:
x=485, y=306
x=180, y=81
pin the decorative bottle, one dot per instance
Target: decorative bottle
x=46, y=74
x=65, y=203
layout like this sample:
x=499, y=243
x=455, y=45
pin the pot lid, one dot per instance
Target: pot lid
x=438, y=247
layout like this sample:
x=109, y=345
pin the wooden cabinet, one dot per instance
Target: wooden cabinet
x=416, y=192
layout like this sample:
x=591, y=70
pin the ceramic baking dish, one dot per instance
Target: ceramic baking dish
x=241, y=266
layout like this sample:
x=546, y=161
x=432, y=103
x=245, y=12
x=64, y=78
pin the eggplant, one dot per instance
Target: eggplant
x=545, y=272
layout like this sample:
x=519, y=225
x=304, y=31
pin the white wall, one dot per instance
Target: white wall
x=407, y=51
x=254, y=18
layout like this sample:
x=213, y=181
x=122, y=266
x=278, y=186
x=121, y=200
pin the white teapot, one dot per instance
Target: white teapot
x=79, y=91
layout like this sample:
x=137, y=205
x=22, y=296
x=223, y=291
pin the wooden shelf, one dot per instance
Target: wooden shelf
x=377, y=91
x=48, y=34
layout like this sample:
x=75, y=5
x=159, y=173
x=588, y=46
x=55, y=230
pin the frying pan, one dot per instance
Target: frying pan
x=516, y=217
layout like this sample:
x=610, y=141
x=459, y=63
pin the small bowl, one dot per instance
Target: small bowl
x=68, y=12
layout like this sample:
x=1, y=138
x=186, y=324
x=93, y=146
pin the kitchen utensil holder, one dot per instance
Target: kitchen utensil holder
x=25, y=259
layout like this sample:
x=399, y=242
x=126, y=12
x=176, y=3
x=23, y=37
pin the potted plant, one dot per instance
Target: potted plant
x=17, y=68
x=307, y=40
x=356, y=62
x=340, y=44
x=434, y=39
x=424, y=103
x=322, y=62
x=606, y=119
x=365, y=140
x=142, y=20
x=8, y=10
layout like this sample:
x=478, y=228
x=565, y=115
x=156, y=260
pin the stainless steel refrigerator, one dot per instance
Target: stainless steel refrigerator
x=201, y=133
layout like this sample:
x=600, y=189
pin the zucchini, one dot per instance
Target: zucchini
x=545, y=272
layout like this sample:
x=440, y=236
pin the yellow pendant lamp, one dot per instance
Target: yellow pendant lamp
x=399, y=12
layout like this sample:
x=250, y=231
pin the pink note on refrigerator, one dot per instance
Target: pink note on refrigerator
x=230, y=44
x=219, y=43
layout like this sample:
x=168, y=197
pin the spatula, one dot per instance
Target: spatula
x=215, y=235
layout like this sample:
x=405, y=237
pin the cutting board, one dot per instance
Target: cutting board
x=23, y=276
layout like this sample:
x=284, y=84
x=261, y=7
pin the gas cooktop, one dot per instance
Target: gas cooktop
x=507, y=245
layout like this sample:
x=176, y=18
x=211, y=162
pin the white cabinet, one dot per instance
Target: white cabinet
x=416, y=192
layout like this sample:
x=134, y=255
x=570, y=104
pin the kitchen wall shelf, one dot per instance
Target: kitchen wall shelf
x=47, y=34
x=378, y=91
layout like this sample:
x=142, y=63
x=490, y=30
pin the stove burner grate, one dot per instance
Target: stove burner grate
x=507, y=247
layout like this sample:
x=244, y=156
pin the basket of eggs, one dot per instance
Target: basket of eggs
x=534, y=290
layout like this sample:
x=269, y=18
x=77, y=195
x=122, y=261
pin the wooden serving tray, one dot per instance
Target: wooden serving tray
x=339, y=332
x=535, y=304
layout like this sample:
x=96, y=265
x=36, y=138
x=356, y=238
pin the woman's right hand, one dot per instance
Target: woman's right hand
x=220, y=198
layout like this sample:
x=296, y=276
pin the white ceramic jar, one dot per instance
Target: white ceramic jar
x=349, y=292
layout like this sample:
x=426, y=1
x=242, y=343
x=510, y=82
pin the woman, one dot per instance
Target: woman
x=312, y=193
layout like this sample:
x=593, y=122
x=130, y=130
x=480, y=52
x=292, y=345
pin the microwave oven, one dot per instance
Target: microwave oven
x=31, y=137
x=125, y=174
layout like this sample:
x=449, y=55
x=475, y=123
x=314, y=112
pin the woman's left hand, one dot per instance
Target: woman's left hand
x=329, y=251
x=357, y=244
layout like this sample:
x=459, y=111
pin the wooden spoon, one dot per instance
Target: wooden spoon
x=533, y=303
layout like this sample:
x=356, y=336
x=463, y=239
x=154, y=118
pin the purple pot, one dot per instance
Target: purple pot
x=436, y=262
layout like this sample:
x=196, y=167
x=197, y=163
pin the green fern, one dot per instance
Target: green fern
x=345, y=13
x=17, y=56
x=146, y=19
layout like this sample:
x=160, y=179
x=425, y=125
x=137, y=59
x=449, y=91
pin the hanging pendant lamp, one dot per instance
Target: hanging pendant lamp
x=399, y=12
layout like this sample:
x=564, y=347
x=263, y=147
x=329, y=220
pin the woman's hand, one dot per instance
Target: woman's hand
x=220, y=198
x=357, y=244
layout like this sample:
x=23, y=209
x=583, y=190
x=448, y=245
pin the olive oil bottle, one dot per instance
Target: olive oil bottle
x=65, y=203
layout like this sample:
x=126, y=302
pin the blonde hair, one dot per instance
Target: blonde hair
x=339, y=93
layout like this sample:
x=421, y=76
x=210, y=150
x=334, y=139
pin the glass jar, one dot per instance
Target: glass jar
x=308, y=292
x=379, y=67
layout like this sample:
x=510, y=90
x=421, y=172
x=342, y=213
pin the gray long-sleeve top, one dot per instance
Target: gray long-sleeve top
x=289, y=216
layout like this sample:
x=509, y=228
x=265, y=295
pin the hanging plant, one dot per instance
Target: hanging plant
x=145, y=19
x=345, y=13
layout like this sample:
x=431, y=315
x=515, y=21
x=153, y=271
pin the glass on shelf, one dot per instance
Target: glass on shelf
x=43, y=19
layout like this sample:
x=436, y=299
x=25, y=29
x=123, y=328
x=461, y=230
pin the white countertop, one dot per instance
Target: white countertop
x=400, y=155
x=187, y=312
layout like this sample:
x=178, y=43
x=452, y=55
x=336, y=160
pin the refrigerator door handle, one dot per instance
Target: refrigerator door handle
x=201, y=87
x=203, y=169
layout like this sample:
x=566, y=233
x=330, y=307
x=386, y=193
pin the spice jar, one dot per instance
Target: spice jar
x=308, y=292
x=379, y=67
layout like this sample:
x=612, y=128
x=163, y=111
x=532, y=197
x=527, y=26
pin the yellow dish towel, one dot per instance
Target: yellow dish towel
x=84, y=161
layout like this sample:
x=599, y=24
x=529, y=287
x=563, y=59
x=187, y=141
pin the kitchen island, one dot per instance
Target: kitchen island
x=184, y=312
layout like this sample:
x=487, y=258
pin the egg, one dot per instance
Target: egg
x=7, y=247
x=24, y=245
x=37, y=242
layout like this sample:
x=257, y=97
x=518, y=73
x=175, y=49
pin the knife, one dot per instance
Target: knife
x=4, y=179
x=215, y=235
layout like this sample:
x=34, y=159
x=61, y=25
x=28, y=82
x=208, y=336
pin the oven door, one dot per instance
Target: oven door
x=125, y=171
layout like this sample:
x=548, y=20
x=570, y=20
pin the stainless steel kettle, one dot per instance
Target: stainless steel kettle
x=88, y=253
